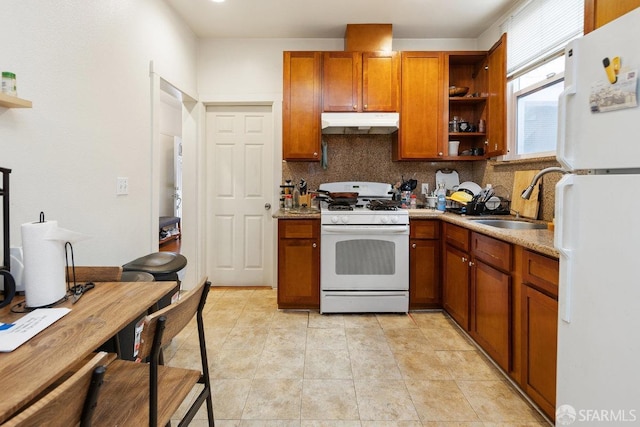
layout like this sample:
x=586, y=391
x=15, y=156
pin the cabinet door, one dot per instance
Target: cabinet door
x=299, y=264
x=497, y=86
x=539, y=348
x=421, y=105
x=301, y=106
x=342, y=81
x=456, y=285
x=491, y=312
x=380, y=81
x=424, y=273
x=599, y=12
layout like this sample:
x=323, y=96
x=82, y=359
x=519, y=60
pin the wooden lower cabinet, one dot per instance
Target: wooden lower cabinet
x=299, y=263
x=456, y=273
x=455, y=287
x=491, y=297
x=540, y=330
x=491, y=312
x=424, y=264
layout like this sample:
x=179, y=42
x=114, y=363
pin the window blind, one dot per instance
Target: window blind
x=539, y=29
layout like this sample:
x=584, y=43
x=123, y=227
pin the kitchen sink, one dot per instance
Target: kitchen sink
x=511, y=224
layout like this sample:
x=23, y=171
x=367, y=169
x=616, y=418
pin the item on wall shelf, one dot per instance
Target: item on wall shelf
x=9, y=83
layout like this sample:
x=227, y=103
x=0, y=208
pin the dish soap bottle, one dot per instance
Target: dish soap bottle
x=441, y=194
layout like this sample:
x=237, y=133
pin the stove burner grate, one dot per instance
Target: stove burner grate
x=340, y=206
x=382, y=205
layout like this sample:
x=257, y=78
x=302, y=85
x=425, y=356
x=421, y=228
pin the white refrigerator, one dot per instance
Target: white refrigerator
x=598, y=229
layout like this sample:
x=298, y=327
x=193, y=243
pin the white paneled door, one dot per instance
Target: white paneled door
x=240, y=148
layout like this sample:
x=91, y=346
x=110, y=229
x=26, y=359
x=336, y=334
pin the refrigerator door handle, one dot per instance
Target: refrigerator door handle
x=566, y=277
x=569, y=90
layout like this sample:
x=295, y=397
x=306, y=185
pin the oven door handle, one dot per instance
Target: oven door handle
x=364, y=229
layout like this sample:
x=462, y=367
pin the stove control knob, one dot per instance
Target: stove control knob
x=334, y=219
x=385, y=219
x=394, y=219
x=345, y=219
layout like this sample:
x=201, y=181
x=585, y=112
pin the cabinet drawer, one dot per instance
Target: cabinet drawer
x=298, y=228
x=457, y=236
x=492, y=251
x=425, y=229
x=541, y=271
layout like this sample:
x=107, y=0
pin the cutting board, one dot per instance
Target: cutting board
x=449, y=177
x=527, y=208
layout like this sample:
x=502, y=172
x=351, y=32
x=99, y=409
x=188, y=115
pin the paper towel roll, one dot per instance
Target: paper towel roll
x=44, y=264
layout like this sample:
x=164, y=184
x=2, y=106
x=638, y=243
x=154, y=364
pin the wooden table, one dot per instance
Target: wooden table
x=95, y=318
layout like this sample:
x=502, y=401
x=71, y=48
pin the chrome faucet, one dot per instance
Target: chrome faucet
x=526, y=193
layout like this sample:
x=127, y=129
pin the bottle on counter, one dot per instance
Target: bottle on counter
x=296, y=198
x=288, y=202
x=441, y=193
x=413, y=204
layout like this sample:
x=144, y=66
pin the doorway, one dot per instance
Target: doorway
x=170, y=173
x=240, y=166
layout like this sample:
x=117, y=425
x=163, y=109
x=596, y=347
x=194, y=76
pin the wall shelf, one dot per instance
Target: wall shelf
x=8, y=101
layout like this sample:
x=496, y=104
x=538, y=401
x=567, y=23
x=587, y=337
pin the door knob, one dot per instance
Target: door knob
x=267, y=206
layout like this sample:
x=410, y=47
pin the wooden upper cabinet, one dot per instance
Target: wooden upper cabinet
x=599, y=12
x=497, y=86
x=301, y=107
x=360, y=81
x=421, y=107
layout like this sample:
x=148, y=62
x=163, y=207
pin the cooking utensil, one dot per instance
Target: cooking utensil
x=408, y=185
x=343, y=197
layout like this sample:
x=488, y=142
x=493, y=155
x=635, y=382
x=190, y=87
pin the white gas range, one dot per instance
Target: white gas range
x=364, y=263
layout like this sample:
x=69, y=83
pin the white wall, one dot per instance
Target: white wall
x=85, y=66
x=251, y=69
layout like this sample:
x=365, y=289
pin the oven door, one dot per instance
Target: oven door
x=364, y=258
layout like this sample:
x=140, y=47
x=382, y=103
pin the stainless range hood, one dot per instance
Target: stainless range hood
x=359, y=123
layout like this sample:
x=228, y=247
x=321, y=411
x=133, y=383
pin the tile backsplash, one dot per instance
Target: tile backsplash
x=368, y=158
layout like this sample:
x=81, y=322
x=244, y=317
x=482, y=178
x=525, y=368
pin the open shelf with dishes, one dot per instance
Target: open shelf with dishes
x=8, y=101
x=467, y=103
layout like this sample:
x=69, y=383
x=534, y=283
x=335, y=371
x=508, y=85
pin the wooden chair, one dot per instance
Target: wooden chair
x=138, y=394
x=70, y=403
x=84, y=274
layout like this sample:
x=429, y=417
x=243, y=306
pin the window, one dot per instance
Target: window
x=538, y=31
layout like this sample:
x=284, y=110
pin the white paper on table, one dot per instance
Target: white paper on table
x=13, y=335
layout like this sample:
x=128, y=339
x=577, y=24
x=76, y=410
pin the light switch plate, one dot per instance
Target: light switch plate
x=122, y=186
x=425, y=189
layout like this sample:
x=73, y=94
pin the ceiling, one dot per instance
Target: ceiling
x=411, y=19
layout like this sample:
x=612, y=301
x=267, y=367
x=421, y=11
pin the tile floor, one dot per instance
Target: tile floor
x=303, y=369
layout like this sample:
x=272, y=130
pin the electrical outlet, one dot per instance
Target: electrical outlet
x=122, y=186
x=425, y=189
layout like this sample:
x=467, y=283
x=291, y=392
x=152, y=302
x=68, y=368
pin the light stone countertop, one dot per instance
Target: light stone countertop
x=537, y=240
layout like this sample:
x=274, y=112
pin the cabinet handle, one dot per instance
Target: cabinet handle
x=314, y=245
x=464, y=259
x=365, y=106
x=471, y=263
x=315, y=154
x=413, y=245
x=441, y=154
x=355, y=107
